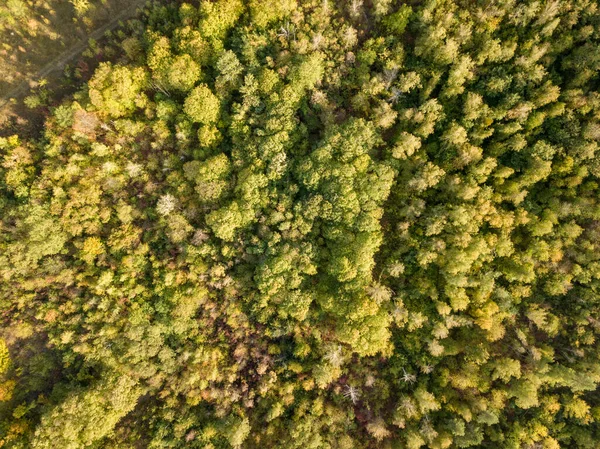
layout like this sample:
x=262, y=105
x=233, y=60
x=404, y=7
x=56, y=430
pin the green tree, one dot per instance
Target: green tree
x=118, y=90
x=87, y=416
x=202, y=106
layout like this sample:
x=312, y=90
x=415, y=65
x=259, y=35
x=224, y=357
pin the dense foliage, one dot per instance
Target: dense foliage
x=313, y=224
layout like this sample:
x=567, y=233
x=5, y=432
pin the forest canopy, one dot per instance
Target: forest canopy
x=312, y=224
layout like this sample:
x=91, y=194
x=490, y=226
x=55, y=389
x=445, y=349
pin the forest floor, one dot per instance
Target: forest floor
x=31, y=60
x=58, y=63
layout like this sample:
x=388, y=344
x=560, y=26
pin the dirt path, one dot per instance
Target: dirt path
x=60, y=61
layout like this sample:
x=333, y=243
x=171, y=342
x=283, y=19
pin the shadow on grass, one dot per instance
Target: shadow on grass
x=34, y=33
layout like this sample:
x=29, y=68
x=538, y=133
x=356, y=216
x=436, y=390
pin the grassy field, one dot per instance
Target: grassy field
x=38, y=38
x=33, y=33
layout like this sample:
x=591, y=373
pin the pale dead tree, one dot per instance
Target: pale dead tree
x=551, y=10
x=85, y=122
x=427, y=369
x=389, y=75
x=355, y=7
x=350, y=37
x=335, y=356
x=318, y=98
x=352, y=393
x=235, y=396
x=191, y=435
x=594, y=322
x=133, y=169
x=399, y=313
x=166, y=204
x=109, y=167
x=160, y=88
x=317, y=40
x=200, y=236
x=379, y=293
x=106, y=127
x=537, y=445
x=395, y=95
x=287, y=31
x=181, y=135
x=427, y=429
x=408, y=377
x=397, y=268
x=408, y=406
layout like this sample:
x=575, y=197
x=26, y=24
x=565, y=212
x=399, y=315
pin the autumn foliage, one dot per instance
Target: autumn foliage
x=312, y=224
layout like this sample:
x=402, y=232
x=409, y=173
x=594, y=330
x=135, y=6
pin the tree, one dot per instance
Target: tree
x=117, y=90
x=264, y=14
x=4, y=358
x=218, y=17
x=87, y=416
x=202, y=106
x=306, y=225
x=184, y=72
